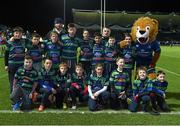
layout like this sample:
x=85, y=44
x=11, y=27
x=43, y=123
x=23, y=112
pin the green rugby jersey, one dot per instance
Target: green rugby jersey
x=70, y=46
x=119, y=81
x=26, y=78
x=16, y=51
x=142, y=87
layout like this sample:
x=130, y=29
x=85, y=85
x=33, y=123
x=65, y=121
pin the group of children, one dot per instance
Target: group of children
x=65, y=68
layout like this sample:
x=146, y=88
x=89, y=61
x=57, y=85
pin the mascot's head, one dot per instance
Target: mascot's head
x=144, y=30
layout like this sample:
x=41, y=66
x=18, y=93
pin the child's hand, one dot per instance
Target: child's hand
x=54, y=91
x=136, y=97
x=30, y=96
x=12, y=39
x=6, y=68
x=94, y=98
x=82, y=52
x=164, y=95
x=95, y=94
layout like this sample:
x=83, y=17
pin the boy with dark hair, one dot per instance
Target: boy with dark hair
x=97, y=89
x=70, y=46
x=53, y=49
x=142, y=87
x=158, y=93
x=110, y=56
x=25, y=83
x=14, y=55
x=119, y=84
x=98, y=50
x=86, y=52
x=47, y=83
x=63, y=80
x=78, y=85
x=35, y=50
x=106, y=32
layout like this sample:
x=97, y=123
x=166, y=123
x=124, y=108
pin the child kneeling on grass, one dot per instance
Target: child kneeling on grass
x=78, y=86
x=142, y=87
x=47, y=78
x=97, y=88
x=158, y=93
x=25, y=83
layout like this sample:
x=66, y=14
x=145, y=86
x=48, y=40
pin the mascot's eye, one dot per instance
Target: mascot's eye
x=138, y=28
x=147, y=28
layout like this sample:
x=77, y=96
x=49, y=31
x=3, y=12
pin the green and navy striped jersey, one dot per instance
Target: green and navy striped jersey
x=63, y=80
x=70, y=46
x=35, y=51
x=128, y=53
x=119, y=81
x=49, y=76
x=81, y=81
x=110, y=53
x=16, y=51
x=26, y=78
x=53, y=51
x=142, y=87
x=160, y=87
x=87, y=48
x=97, y=83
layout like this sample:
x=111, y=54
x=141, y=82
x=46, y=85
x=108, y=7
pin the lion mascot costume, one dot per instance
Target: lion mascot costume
x=143, y=33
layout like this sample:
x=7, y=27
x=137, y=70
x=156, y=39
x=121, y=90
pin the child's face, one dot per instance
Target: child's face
x=47, y=64
x=28, y=63
x=72, y=31
x=142, y=74
x=97, y=39
x=63, y=69
x=17, y=35
x=58, y=26
x=79, y=71
x=128, y=40
x=35, y=40
x=99, y=71
x=85, y=34
x=161, y=77
x=54, y=38
x=106, y=32
x=120, y=63
x=111, y=41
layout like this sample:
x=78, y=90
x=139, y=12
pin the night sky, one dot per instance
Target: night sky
x=39, y=14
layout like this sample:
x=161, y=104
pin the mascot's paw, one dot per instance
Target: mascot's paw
x=152, y=76
x=123, y=44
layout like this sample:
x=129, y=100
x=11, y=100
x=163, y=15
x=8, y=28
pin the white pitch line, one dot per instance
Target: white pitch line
x=87, y=112
x=170, y=56
x=169, y=71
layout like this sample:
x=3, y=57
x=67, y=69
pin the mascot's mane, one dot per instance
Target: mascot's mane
x=144, y=30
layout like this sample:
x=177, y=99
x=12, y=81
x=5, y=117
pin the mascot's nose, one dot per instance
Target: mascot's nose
x=142, y=32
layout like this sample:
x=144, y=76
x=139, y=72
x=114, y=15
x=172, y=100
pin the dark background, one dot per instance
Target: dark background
x=39, y=14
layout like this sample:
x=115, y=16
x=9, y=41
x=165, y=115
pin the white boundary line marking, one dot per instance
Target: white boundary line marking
x=170, y=56
x=169, y=71
x=88, y=112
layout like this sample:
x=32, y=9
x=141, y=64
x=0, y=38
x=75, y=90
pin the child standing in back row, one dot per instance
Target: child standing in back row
x=86, y=52
x=14, y=55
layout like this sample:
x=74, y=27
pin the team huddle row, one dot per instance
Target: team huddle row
x=95, y=70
